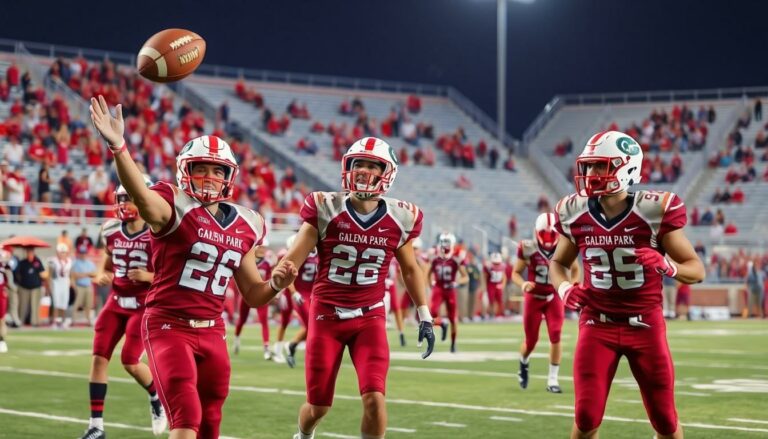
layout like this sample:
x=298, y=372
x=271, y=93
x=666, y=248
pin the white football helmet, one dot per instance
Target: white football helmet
x=206, y=149
x=124, y=210
x=370, y=149
x=495, y=258
x=623, y=158
x=545, y=232
x=445, y=244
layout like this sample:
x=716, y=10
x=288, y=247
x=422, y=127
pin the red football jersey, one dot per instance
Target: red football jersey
x=3, y=274
x=616, y=283
x=195, y=255
x=446, y=271
x=354, y=254
x=126, y=252
x=494, y=274
x=538, y=266
x=265, y=268
x=307, y=273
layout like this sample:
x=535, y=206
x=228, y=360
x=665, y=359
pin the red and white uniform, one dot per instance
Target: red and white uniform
x=390, y=288
x=623, y=311
x=127, y=298
x=194, y=256
x=4, y=273
x=265, y=270
x=304, y=283
x=445, y=272
x=542, y=301
x=494, y=280
x=347, y=298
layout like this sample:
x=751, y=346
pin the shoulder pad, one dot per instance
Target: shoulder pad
x=110, y=227
x=652, y=205
x=570, y=207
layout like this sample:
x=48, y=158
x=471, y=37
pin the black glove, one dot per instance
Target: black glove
x=426, y=332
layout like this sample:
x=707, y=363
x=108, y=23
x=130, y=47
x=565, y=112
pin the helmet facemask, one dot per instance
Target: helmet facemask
x=596, y=185
x=203, y=187
x=361, y=182
x=125, y=208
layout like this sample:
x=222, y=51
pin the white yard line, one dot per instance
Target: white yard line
x=680, y=392
x=449, y=424
x=464, y=407
x=753, y=421
x=505, y=418
x=401, y=430
x=78, y=421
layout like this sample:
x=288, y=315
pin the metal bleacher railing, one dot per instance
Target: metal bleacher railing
x=88, y=214
x=462, y=102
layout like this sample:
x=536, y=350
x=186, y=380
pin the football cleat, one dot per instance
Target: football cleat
x=278, y=357
x=453, y=348
x=236, y=345
x=443, y=330
x=93, y=433
x=3, y=347
x=290, y=354
x=554, y=389
x=268, y=354
x=159, y=420
x=522, y=376
x=402, y=339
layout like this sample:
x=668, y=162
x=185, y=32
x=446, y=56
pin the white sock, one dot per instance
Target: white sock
x=97, y=422
x=553, y=371
x=303, y=435
x=278, y=346
x=524, y=360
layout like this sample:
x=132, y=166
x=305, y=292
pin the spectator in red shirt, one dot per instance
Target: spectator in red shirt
x=12, y=75
x=731, y=229
x=513, y=226
x=737, y=196
x=37, y=151
x=94, y=152
x=413, y=104
x=468, y=155
x=5, y=90
x=695, y=215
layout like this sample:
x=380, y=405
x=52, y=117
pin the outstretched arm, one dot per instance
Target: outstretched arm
x=152, y=207
x=253, y=288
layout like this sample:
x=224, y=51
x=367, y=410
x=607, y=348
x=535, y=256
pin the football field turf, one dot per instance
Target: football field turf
x=721, y=369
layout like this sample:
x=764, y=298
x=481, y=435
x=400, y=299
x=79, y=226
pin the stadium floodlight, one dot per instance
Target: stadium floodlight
x=501, y=64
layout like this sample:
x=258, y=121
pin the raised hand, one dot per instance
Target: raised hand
x=110, y=128
x=527, y=286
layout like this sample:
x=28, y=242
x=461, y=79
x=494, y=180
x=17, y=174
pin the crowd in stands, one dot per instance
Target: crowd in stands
x=39, y=132
x=418, y=137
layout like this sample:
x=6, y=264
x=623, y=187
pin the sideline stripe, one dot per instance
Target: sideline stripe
x=449, y=424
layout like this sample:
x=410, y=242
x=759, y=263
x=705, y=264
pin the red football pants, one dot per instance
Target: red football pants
x=262, y=313
x=599, y=348
x=112, y=323
x=439, y=296
x=191, y=371
x=534, y=310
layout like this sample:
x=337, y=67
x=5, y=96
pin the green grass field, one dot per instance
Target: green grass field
x=722, y=389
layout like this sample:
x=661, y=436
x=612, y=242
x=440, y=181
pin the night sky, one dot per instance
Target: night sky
x=554, y=46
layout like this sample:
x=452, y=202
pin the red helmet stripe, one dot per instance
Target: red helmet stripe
x=213, y=144
x=596, y=138
x=370, y=143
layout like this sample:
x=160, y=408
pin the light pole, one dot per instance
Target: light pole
x=501, y=69
x=501, y=66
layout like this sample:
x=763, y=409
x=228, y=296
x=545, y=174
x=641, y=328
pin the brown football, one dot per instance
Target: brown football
x=170, y=55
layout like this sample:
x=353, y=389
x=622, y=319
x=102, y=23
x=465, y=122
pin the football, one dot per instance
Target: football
x=170, y=55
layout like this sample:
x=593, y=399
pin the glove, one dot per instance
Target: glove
x=426, y=332
x=574, y=295
x=282, y=302
x=298, y=299
x=650, y=258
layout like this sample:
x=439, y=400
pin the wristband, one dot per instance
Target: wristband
x=272, y=285
x=672, y=271
x=424, y=314
x=564, y=285
x=119, y=151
